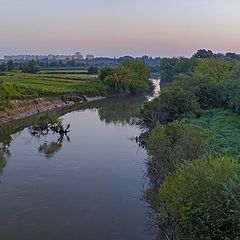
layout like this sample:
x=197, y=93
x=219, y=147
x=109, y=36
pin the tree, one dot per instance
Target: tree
x=167, y=70
x=219, y=69
x=31, y=67
x=233, y=92
x=132, y=76
x=171, y=67
x=3, y=67
x=233, y=55
x=176, y=101
x=202, y=53
x=92, y=70
x=139, y=79
x=10, y=66
x=173, y=102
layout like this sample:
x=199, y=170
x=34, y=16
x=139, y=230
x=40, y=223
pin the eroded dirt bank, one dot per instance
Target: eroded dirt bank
x=25, y=108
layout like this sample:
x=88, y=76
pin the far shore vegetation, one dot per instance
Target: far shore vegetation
x=193, y=140
x=191, y=132
x=29, y=81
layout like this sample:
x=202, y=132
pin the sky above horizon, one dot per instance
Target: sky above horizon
x=117, y=28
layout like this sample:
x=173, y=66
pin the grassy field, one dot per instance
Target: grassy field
x=53, y=81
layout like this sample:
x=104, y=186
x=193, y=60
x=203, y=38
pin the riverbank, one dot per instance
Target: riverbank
x=29, y=107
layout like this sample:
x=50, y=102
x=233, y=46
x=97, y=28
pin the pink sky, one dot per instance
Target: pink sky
x=116, y=28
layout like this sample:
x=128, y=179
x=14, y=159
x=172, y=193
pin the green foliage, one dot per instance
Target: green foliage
x=201, y=194
x=132, y=76
x=222, y=128
x=203, y=53
x=204, y=196
x=139, y=81
x=48, y=117
x=233, y=91
x=6, y=93
x=174, y=102
x=31, y=67
x=219, y=69
x=171, y=67
x=5, y=134
x=5, y=140
x=208, y=92
x=171, y=144
x=3, y=67
x=45, y=84
x=10, y=66
x=92, y=70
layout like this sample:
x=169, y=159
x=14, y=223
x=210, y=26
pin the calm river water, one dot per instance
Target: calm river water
x=86, y=186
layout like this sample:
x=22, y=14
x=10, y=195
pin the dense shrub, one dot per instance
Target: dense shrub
x=208, y=92
x=204, y=196
x=173, y=102
x=234, y=94
x=92, y=70
x=30, y=67
x=171, y=144
x=219, y=69
x=171, y=67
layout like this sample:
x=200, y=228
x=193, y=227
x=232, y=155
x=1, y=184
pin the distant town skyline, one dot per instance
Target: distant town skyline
x=117, y=28
x=51, y=57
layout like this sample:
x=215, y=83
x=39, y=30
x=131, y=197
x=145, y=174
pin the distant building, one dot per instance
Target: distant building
x=78, y=56
x=21, y=58
x=15, y=58
x=90, y=57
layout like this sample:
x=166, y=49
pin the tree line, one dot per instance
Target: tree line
x=192, y=140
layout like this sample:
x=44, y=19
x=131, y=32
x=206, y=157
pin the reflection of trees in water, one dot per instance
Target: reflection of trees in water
x=49, y=149
x=42, y=125
x=119, y=110
x=50, y=123
x=5, y=140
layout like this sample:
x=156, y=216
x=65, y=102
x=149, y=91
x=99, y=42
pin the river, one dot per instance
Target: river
x=87, y=185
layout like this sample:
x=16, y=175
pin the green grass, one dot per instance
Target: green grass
x=53, y=83
x=223, y=128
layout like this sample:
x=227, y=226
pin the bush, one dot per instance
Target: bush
x=208, y=92
x=31, y=67
x=234, y=95
x=204, y=196
x=92, y=70
x=174, y=102
x=171, y=144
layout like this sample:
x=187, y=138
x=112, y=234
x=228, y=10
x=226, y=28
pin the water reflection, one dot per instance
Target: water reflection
x=117, y=111
x=121, y=110
x=50, y=123
x=50, y=149
x=5, y=140
x=102, y=179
